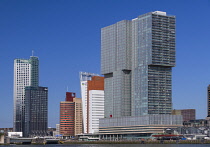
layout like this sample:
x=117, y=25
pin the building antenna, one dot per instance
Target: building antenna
x=32, y=53
x=67, y=88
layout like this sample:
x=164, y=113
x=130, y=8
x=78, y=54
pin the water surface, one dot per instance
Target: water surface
x=112, y=145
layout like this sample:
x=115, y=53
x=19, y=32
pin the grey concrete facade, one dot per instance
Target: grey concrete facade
x=147, y=124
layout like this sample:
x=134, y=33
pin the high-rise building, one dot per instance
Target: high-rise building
x=95, y=103
x=187, y=114
x=36, y=111
x=137, y=57
x=78, y=116
x=71, y=116
x=84, y=77
x=67, y=114
x=26, y=73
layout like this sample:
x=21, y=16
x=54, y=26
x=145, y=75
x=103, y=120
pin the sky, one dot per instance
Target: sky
x=65, y=35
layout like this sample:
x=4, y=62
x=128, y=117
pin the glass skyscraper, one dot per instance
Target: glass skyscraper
x=36, y=111
x=30, y=100
x=137, y=57
x=26, y=73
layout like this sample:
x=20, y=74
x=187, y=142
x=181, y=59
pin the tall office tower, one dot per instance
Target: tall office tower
x=84, y=77
x=26, y=73
x=95, y=103
x=36, y=111
x=71, y=116
x=67, y=113
x=137, y=57
x=208, y=101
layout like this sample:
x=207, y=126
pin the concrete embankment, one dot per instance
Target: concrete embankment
x=141, y=142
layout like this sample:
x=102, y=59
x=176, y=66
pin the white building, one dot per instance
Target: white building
x=15, y=134
x=56, y=133
x=96, y=109
x=84, y=77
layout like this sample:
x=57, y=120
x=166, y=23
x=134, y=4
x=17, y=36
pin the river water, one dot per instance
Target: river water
x=112, y=145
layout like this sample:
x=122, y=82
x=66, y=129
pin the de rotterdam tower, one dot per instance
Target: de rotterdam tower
x=137, y=57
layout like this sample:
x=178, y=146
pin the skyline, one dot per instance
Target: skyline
x=64, y=51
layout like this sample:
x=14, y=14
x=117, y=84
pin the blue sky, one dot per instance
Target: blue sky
x=65, y=35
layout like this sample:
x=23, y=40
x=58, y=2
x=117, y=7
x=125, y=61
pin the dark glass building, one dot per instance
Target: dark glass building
x=36, y=111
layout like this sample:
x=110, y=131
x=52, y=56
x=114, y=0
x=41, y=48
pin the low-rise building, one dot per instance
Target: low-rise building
x=136, y=127
x=56, y=133
x=1, y=138
x=15, y=134
x=50, y=131
x=197, y=123
x=187, y=114
x=5, y=131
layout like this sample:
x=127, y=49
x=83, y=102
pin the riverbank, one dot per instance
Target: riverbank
x=141, y=142
x=131, y=142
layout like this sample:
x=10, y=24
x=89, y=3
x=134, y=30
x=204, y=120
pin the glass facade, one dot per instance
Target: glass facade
x=26, y=73
x=116, y=67
x=137, y=57
x=36, y=111
x=137, y=125
x=164, y=119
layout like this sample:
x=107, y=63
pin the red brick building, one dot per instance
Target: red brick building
x=70, y=116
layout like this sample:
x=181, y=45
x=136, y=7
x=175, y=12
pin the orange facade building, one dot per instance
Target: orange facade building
x=96, y=83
